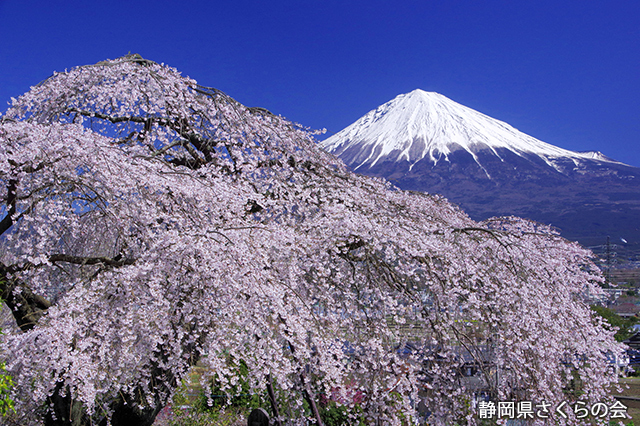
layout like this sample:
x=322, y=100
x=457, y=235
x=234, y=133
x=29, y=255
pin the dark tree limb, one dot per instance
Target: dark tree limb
x=128, y=409
x=306, y=388
x=7, y=221
x=76, y=260
x=26, y=306
x=310, y=399
x=273, y=401
x=84, y=260
x=132, y=409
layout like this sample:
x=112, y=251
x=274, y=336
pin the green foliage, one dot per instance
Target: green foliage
x=194, y=418
x=6, y=403
x=215, y=407
x=6, y=383
x=616, y=320
x=333, y=414
x=239, y=395
x=198, y=413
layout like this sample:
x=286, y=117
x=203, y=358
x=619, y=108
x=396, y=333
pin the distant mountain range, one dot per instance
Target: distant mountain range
x=424, y=141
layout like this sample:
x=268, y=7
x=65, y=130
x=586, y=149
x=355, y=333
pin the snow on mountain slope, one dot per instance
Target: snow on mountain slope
x=423, y=141
x=426, y=125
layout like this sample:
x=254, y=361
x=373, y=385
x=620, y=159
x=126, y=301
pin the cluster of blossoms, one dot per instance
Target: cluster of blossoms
x=152, y=223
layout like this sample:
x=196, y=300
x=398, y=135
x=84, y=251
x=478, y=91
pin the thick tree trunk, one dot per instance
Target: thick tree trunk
x=26, y=306
x=126, y=412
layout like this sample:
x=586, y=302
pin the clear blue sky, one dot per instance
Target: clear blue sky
x=566, y=72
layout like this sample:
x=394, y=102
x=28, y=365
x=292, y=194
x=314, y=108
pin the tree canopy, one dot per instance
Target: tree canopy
x=151, y=223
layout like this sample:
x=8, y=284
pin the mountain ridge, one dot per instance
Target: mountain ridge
x=419, y=125
x=424, y=141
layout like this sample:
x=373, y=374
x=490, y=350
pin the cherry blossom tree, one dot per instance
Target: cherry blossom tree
x=151, y=223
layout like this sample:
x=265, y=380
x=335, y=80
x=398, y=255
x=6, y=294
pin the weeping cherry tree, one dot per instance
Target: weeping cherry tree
x=150, y=223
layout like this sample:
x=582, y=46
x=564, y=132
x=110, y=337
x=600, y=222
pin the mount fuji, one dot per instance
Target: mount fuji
x=424, y=141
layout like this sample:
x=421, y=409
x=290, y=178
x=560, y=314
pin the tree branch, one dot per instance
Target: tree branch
x=82, y=260
x=26, y=306
x=7, y=221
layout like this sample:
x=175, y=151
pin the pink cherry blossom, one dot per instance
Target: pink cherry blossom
x=152, y=223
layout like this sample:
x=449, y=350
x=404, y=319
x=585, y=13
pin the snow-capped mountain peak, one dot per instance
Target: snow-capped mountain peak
x=427, y=125
x=423, y=141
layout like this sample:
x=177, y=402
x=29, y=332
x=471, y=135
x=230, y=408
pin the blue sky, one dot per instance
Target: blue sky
x=565, y=72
